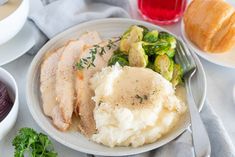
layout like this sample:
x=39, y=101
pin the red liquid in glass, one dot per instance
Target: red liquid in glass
x=162, y=11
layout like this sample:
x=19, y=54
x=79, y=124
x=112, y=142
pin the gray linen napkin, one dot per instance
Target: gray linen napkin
x=58, y=15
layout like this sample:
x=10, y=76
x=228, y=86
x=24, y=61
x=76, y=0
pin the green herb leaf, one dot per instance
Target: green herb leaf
x=33, y=144
x=96, y=49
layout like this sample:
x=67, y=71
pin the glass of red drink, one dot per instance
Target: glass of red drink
x=162, y=11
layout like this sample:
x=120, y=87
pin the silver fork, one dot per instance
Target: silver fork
x=201, y=141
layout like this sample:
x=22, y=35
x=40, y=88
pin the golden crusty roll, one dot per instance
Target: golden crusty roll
x=210, y=24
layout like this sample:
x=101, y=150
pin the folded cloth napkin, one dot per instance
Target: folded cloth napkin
x=58, y=15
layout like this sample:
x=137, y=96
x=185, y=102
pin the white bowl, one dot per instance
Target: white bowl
x=107, y=28
x=8, y=122
x=13, y=23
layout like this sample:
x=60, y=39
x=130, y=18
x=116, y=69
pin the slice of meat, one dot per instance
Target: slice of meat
x=47, y=79
x=91, y=38
x=47, y=88
x=65, y=84
x=58, y=120
x=85, y=105
x=65, y=78
x=109, y=53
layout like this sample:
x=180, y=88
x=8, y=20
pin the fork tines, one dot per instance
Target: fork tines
x=184, y=56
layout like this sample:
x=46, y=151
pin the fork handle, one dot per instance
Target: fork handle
x=201, y=140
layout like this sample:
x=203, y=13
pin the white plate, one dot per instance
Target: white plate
x=226, y=59
x=17, y=46
x=107, y=28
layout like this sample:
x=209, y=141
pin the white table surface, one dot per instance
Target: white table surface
x=221, y=82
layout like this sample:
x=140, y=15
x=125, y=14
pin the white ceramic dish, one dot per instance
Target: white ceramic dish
x=17, y=46
x=13, y=23
x=107, y=28
x=8, y=122
x=226, y=59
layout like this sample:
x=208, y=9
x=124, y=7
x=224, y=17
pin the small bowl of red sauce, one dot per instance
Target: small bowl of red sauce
x=9, y=102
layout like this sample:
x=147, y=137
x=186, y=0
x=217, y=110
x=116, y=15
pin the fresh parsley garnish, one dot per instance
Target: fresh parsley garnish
x=33, y=144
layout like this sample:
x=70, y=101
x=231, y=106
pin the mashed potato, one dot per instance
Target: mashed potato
x=134, y=106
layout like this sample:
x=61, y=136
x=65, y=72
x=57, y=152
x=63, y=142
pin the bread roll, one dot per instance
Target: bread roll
x=210, y=24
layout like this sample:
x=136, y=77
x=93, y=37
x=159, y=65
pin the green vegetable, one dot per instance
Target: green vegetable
x=164, y=65
x=117, y=51
x=151, y=36
x=146, y=30
x=132, y=35
x=152, y=59
x=150, y=66
x=170, y=53
x=137, y=56
x=88, y=61
x=163, y=48
x=152, y=49
x=149, y=48
x=169, y=38
x=177, y=75
x=158, y=48
x=119, y=57
x=33, y=144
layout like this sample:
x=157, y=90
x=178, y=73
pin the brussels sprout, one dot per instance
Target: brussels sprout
x=169, y=38
x=164, y=35
x=118, y=51
x=164, y=65
x=170, y=53
x=161, y=50
x=146, y=30
x=121, y=58
x=152, y=58
x=177, y=75
x=160, y=47
x=151, y=36
x=132, y=35
x=150, y=66
x=149, y=49
x=137, y=56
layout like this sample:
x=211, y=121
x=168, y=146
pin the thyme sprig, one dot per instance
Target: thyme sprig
x=96, y=49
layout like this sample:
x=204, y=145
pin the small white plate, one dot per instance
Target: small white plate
x=107, y=28
x=17, y=46
x=226, y=59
